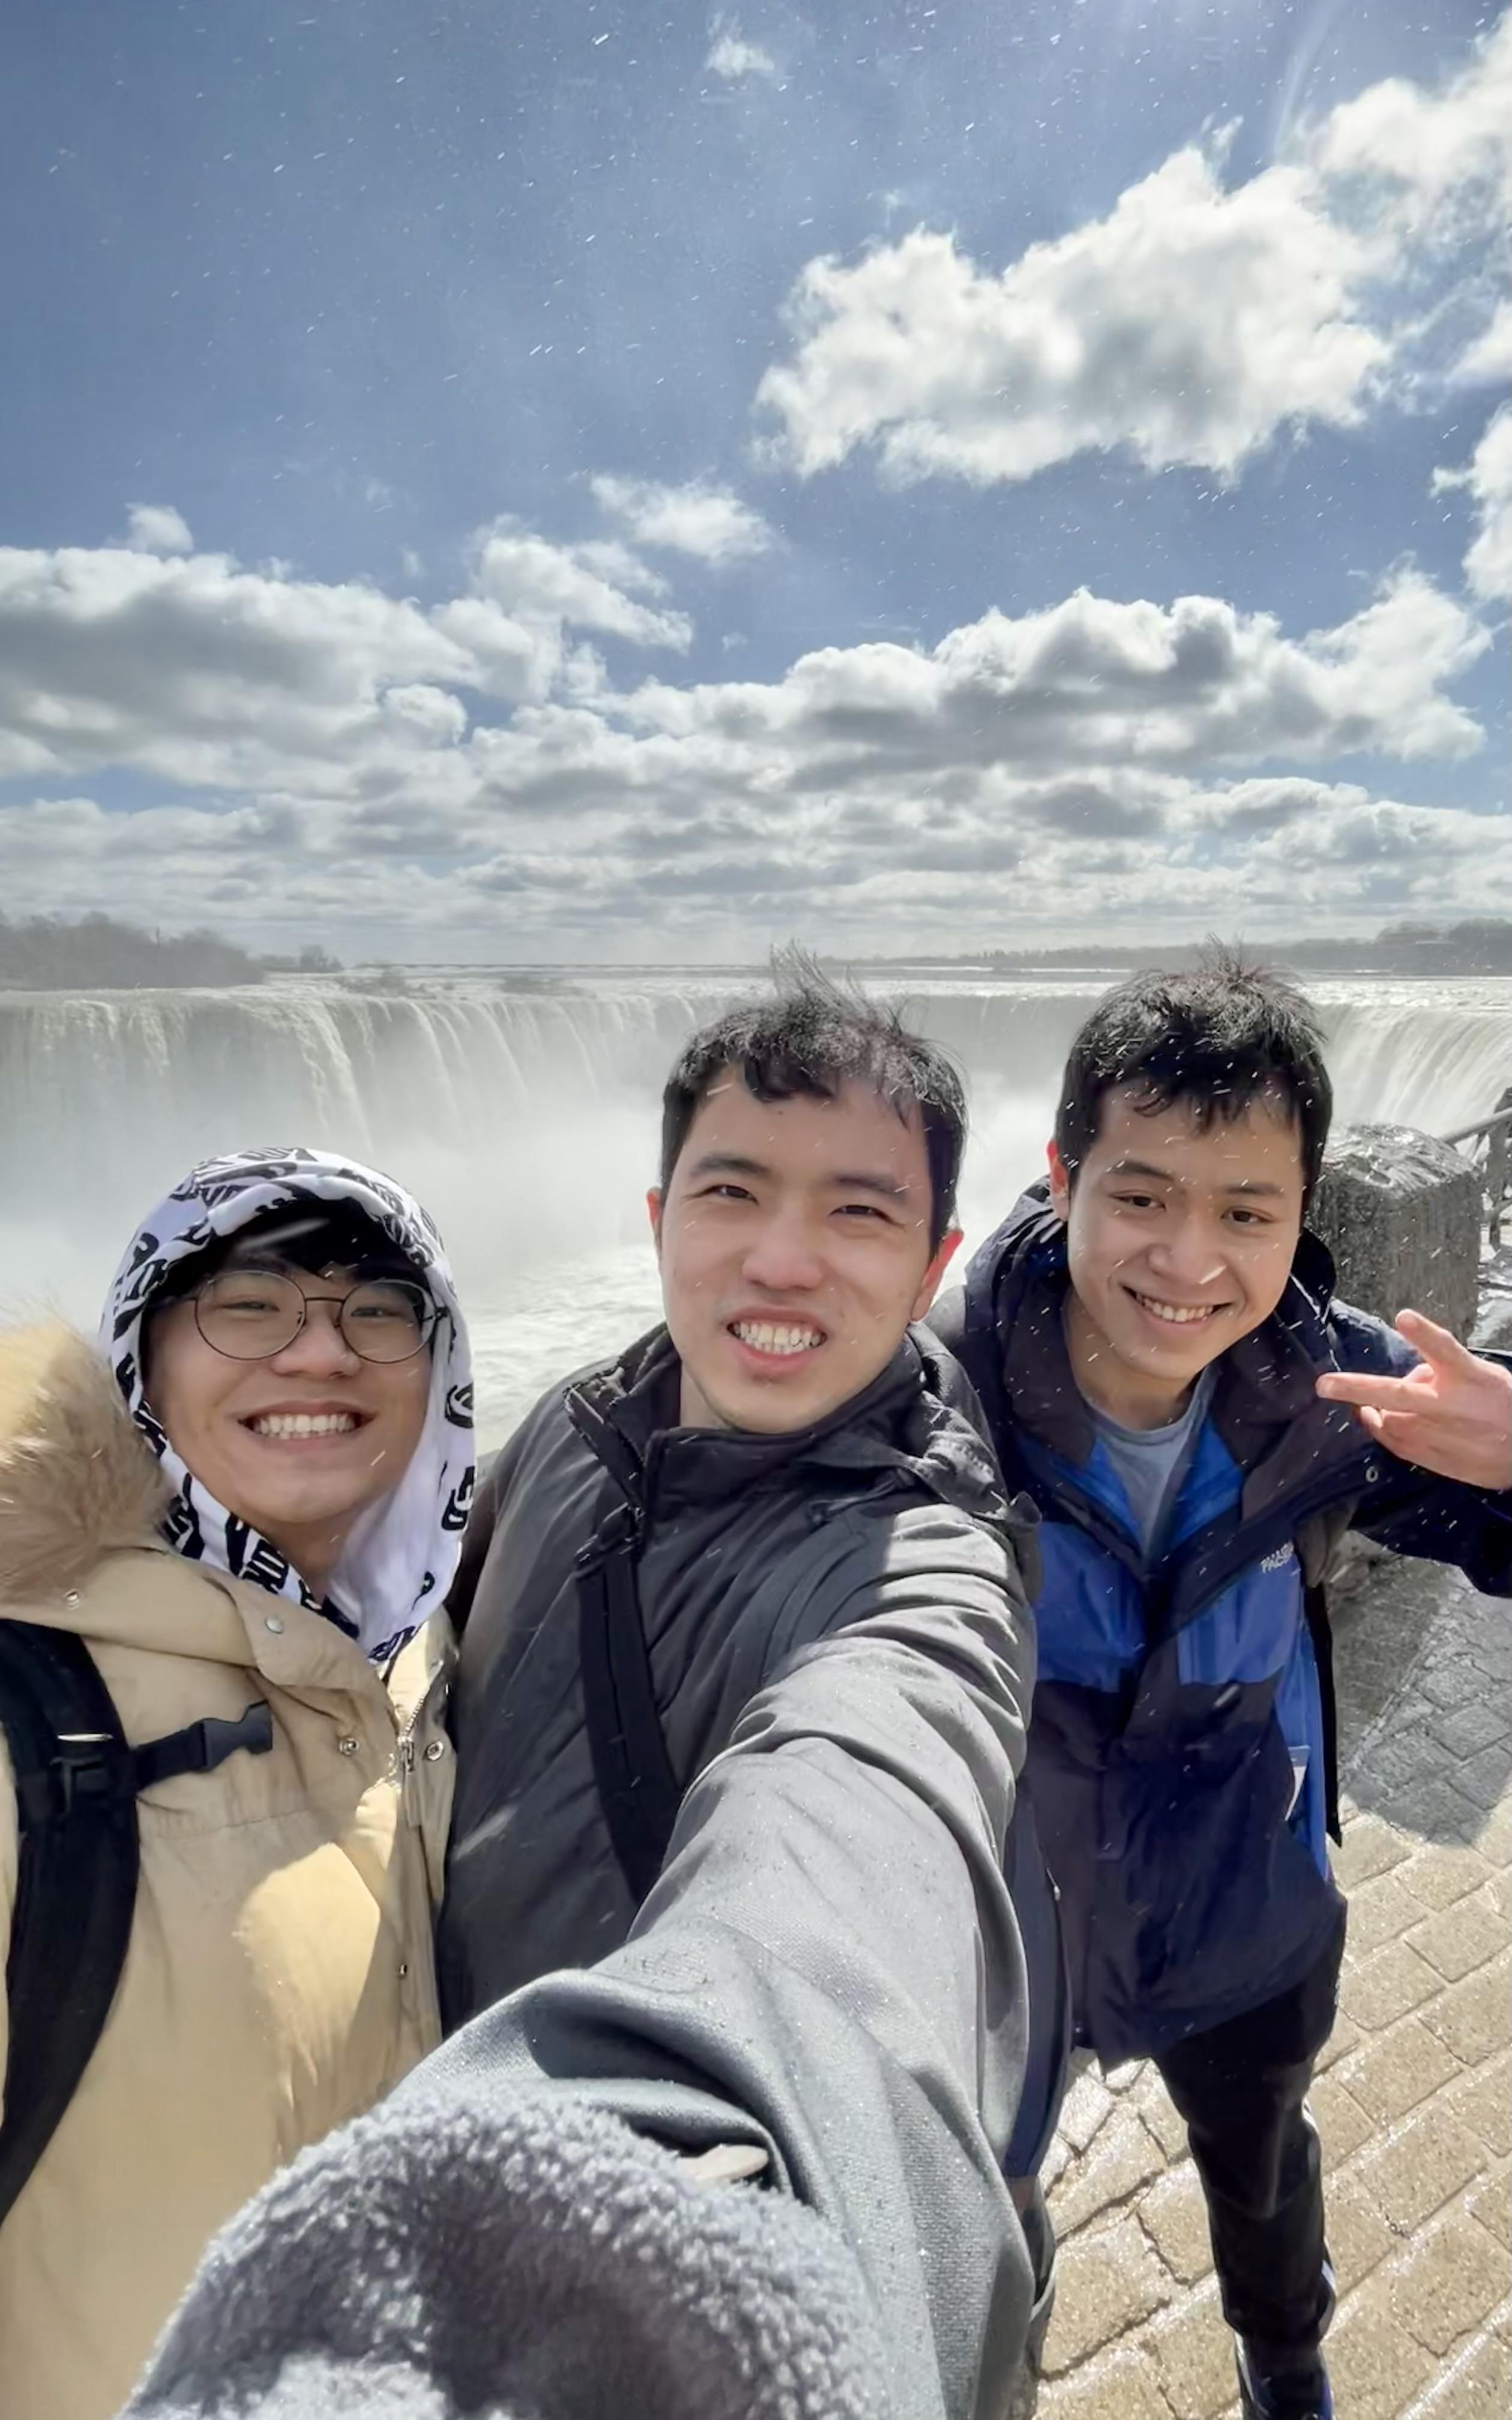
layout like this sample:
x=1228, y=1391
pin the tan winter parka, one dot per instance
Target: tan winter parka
x=280, y=1977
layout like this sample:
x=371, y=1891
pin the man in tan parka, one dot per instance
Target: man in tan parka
x=279, y=1976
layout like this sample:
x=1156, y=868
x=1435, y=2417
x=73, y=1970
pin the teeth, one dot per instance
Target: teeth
x=1178, y=1314
x=764, y=1335
x=298, y=1424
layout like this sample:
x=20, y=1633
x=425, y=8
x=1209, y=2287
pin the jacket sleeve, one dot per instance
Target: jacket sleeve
x=1411, y=1510
x=829, y=1968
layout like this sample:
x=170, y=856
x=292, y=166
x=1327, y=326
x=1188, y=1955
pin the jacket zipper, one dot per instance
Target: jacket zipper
x=406, y=1792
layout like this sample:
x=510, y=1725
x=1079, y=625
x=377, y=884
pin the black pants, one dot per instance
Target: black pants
x=1240, y=2089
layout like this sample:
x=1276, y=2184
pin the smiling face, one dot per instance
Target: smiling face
x=1180, y=1240
x=299, y=1444
x=794, y=1244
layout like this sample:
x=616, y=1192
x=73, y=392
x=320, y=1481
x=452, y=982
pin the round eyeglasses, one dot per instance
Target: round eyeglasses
x=250, y=1314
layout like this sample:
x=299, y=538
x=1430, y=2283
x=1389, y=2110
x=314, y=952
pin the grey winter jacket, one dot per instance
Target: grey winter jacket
x=828, y=1965
x=827, y=1970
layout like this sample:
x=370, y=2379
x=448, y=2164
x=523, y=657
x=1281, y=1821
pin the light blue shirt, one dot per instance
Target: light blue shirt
x=1152, y=1463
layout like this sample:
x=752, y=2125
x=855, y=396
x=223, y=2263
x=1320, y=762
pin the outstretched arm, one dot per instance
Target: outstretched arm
x=828, y=1969
x=826, y=1974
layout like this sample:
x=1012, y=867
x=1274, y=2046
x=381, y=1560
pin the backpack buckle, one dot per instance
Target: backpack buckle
x=84, y=1767
x=619, y=1529
x=203, y=1746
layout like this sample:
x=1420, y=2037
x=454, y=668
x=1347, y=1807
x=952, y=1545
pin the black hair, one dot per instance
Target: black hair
x=312, y=1236
x=809, y=1039
x=1214, y=1037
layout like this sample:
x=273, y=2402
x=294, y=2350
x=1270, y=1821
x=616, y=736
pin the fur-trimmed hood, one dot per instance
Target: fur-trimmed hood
x=77, y=1481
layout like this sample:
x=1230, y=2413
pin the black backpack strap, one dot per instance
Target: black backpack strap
x=77, y=1785
x=1315, y=1608
x=638, y=1789
x=76, y=1888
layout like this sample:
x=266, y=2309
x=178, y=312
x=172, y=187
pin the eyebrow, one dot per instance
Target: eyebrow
x=892, y=1189
x=731, y=1163
x=726, y=1163
x=1256, y=1184
x=1141, y=1167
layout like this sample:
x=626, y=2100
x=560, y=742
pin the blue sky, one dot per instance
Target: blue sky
x=532, y=482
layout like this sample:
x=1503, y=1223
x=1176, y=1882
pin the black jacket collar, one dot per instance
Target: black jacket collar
x=902, y=1424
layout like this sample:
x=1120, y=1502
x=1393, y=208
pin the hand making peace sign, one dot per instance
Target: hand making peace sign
x=1452, y=1414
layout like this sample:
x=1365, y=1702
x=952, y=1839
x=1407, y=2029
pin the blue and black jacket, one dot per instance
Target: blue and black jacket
x=1182, y=1763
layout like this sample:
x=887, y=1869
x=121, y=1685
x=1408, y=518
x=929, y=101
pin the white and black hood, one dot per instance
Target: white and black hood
x=401, y=1557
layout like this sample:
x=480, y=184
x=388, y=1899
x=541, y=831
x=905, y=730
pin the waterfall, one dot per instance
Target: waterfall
x=525, y=1117
x=153, y=1080
x=1413, y=1055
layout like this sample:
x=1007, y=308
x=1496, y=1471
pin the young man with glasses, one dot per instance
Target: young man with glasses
x=224, y=1790
x=294, y=1405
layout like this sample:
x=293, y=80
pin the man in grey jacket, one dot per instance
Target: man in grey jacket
x=744, y=1676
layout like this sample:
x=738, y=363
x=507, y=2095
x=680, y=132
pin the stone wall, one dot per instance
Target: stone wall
x=1400, y=1211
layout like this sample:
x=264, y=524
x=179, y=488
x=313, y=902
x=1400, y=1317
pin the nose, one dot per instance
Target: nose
x=1187, y=1251
x=782, y=1258
x=319, y=1350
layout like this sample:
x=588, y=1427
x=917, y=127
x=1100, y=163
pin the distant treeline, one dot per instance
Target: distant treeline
x=54, y=953
x=50, y=953
x=1480, y=946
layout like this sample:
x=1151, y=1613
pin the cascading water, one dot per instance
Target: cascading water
x=526, y=1118
x=1437, y=1058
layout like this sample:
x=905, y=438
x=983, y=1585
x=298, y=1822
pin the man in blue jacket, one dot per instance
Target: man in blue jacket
x=1166, y=1371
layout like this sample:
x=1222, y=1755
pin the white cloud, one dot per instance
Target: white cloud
x=1121, y=760
x=709, y=522
x=1191, y=325
x=1092, y=681
x=1488, y=479
x=194, y=670
x=202, y=673
x=421, y=712
x=538, y=583
x=1187, y=326
x=700, y=868
x=1488, y=361
x=1440, y=158
x=733, y=59
x=158, y=529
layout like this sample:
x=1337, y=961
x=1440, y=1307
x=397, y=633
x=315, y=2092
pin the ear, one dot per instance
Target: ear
x=1060, y=1183
x=653, y=1204
x=930, y=1282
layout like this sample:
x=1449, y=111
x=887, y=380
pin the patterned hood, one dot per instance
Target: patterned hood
x=401, y=1557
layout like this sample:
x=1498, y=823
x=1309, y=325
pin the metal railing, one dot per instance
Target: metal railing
x=1496, y=1133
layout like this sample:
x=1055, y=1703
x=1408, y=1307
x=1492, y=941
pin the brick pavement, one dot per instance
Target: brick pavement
x=1414, y=2101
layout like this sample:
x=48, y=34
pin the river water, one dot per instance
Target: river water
x=524, y=1114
